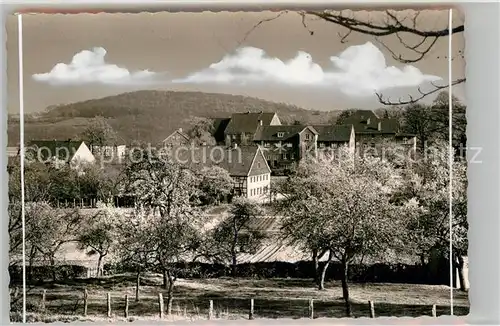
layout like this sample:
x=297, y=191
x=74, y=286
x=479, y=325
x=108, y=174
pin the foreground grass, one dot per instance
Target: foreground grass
x=273, y=298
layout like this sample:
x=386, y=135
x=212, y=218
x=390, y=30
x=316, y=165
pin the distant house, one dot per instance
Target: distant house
x=284, y=145
x=246, y=165
x=177, y=138
x=371, y=130
x=334, y=136
x=242, y=126
x=109, y=151
x=74, y=153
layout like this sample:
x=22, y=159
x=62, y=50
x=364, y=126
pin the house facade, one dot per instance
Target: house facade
x=370, y=130
x=246, y=165
x=284, y=145
x=109, y=151
x=241, y=127
x=177, y=138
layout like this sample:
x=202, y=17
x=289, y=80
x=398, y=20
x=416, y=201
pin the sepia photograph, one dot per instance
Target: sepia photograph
x=186, y=166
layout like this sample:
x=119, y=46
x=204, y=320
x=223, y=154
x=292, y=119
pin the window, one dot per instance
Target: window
x=321, y=145
x=234, y=136
x=258, y=165
x=308, y=136
x=281, y=134
x=288, y=144
x=284, y=156
x=267, y=144
x=292, y=156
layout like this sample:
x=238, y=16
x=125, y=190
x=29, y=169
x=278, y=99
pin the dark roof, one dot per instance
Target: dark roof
x=220, y=125
x=367, y=122
x=237, y=161
x=248, y=122
x=334, y=133
x=64, y=149
x=270, y=133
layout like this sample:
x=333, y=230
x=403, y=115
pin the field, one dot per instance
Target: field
x=273, y=298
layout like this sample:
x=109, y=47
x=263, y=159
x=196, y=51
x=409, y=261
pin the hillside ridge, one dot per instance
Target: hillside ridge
x=151, y=115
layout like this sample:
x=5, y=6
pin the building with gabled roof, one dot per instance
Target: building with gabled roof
x=334, y=136
x=371, y=130
x=284, y=145
x=245, y=164
x=177, y=138
x=242, y=126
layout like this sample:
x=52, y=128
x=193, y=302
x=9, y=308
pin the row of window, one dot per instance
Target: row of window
x=282, y=134
x=267, y=145
x=258, y=178
x=259, y=191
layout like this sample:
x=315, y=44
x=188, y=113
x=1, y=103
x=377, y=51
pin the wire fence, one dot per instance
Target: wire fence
x=156, y=305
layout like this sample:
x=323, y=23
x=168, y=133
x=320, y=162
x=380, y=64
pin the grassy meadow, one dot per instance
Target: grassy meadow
x=273, y=298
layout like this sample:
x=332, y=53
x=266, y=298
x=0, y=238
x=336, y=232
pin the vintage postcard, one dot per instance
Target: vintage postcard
x=237, y=165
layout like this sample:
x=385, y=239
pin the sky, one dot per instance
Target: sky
x=70, y=58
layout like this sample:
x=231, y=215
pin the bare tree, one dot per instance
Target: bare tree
x=416, y=41
x=98, y=235
x=99, y=133
x=216, y=184
x=235, y=235
x=343, y=208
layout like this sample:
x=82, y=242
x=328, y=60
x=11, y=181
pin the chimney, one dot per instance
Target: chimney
x=180, y=129
x=368, y=121
x=379, y=126
x=260, y=122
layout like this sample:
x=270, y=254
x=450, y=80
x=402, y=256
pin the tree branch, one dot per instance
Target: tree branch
x=422, y=94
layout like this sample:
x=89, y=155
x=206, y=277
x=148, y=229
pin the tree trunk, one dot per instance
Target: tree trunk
x=170, y=294
x=461, y=276
x=316, y=267
x=99, y=262
x=233, y=248
x=233, y=265
x=165, y=280
x=53, y=268
x=422, y=259
x=345, y=288
x=323, y=272
x=137, y=284
x=30, y=266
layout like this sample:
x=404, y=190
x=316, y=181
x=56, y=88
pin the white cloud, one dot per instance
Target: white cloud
x=88, y=66
x=357, y=71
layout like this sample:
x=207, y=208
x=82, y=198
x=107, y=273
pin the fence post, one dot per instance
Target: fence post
x=210, y=309
x=434, y=308
x=43, y=300
x=250, y=313
x=372, y=309
x=109, y=304
x=85, y=298
x=160, y=303
x=311, y=308
x=74, y=202
x=126, y=305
